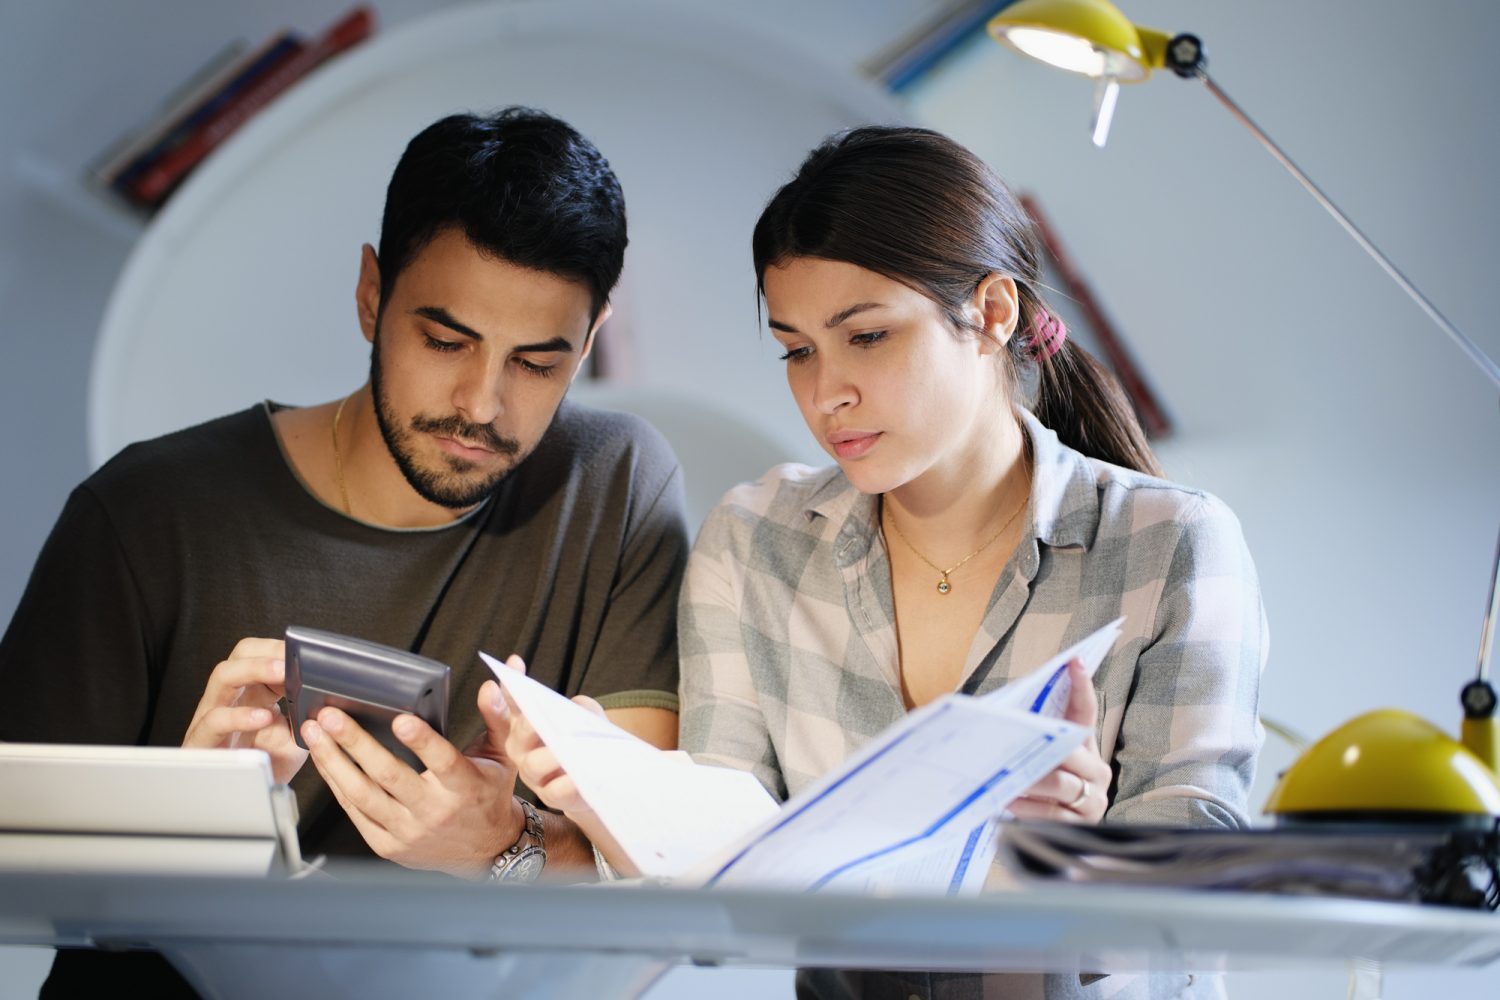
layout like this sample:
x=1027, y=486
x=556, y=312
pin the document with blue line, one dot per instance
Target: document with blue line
x=913, y=810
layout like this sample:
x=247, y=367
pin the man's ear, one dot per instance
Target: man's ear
x=996, y=305
x=367, y=291
x=588, y=342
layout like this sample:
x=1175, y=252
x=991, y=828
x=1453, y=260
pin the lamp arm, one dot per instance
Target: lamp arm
x=1492, y=612
x=1480, y=730
x=1470, y=349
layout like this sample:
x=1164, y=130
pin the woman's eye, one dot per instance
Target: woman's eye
x=440, y=345
x=869, y=339
x=797, y=354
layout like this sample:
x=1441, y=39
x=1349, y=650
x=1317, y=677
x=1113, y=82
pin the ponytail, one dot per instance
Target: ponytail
x=1083, y=403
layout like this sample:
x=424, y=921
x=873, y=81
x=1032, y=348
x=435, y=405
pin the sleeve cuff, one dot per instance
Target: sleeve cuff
x=665, y=700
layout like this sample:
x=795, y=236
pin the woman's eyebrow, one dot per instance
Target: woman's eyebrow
x=842, y=316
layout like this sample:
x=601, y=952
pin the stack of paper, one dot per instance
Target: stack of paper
x=915, y=809
x=1434, y=864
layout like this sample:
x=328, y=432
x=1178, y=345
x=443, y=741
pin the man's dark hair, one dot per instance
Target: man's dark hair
x=521, y=185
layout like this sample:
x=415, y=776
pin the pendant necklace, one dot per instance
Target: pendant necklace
x=943, y=586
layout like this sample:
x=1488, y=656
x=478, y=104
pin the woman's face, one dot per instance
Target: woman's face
x=885, y=384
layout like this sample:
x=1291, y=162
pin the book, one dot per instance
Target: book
x=913, y=810
x=161, y=177
x=209, y=79
x=172, y=133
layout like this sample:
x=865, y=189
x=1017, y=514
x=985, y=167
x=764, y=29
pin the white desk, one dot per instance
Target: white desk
x=388, y=936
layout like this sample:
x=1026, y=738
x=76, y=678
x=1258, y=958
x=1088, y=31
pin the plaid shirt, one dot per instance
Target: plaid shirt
x=790, y=661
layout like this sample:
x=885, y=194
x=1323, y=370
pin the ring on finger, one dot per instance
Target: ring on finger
x=1084, y=792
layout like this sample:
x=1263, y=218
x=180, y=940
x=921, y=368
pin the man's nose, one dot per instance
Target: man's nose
x=480, y=393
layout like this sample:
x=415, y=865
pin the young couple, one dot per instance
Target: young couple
x=992, y=501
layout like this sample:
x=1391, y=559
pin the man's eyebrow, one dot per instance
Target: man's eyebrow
x=441, y=316
x=842, y=316
x=556, y=344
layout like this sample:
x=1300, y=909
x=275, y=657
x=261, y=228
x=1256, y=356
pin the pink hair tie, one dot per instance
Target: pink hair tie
x=1047, y=335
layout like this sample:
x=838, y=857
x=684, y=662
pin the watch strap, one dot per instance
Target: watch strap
x=530, y=846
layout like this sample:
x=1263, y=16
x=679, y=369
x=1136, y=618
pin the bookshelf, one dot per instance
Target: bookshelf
x=201, y=112
x=60, y=187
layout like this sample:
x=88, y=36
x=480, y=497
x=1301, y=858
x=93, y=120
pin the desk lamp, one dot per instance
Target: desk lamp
x=1388, y=765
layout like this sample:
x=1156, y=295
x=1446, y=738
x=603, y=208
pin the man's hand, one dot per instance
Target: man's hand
x=238, y=707
x=455, y=817
x=1077, y=790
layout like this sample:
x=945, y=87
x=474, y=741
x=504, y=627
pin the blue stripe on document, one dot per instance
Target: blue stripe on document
x=942, y=821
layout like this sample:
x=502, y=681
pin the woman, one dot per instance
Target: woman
x=993, y=501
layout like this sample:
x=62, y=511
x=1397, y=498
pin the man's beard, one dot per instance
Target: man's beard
x=452, y=487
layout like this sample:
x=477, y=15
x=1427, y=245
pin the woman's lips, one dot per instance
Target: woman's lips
x=853, y=444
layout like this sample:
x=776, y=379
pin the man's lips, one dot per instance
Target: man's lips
x=460, y=449
x=852, y=444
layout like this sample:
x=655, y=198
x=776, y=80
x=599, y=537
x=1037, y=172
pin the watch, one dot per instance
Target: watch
x=523, y=860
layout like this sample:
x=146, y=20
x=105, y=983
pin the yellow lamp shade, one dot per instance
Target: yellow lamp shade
x=1389, y=764
x=1091, y=37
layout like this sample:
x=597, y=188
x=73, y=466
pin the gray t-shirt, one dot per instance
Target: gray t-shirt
x=179, y=547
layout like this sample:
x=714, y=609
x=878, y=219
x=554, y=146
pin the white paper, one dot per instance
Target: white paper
x=951, y=866
x=900, y=815
x=1046, y=689
x=666, y=812
x=937, y=774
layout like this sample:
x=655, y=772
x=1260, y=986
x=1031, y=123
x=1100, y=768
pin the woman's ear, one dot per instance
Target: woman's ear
x=997, y=307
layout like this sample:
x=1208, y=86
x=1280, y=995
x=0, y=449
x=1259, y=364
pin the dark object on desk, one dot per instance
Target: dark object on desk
x=1395, y=863
x=371, y=682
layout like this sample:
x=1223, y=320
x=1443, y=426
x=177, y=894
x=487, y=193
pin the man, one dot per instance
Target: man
x=453, y=503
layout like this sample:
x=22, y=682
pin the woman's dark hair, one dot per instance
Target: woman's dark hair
x=521, y=185
x=915, y=206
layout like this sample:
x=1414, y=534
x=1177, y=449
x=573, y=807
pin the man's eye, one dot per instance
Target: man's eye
x=440, y=345
x=541, y=371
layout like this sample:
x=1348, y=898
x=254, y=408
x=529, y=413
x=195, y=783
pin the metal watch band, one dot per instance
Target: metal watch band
x=523, y=860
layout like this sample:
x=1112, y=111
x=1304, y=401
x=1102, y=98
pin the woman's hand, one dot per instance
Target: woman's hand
x=538, y=767
x=1077, y=791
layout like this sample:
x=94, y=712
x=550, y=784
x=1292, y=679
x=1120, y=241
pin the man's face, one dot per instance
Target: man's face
x=472, y=356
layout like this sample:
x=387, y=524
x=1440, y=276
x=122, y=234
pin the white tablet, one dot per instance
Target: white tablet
x=144, y=809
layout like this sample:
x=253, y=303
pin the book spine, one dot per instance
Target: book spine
x=160, y=178
x=215, y=74
x=265, y=59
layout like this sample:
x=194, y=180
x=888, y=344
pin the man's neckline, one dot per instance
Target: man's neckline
x=269, y=407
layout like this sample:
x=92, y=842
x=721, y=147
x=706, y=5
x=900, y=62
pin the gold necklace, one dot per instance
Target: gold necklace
x=338, y=459
x=944, y=586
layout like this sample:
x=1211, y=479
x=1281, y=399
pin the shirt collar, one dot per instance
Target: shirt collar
x=1064, y=499
x=1064, y=489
